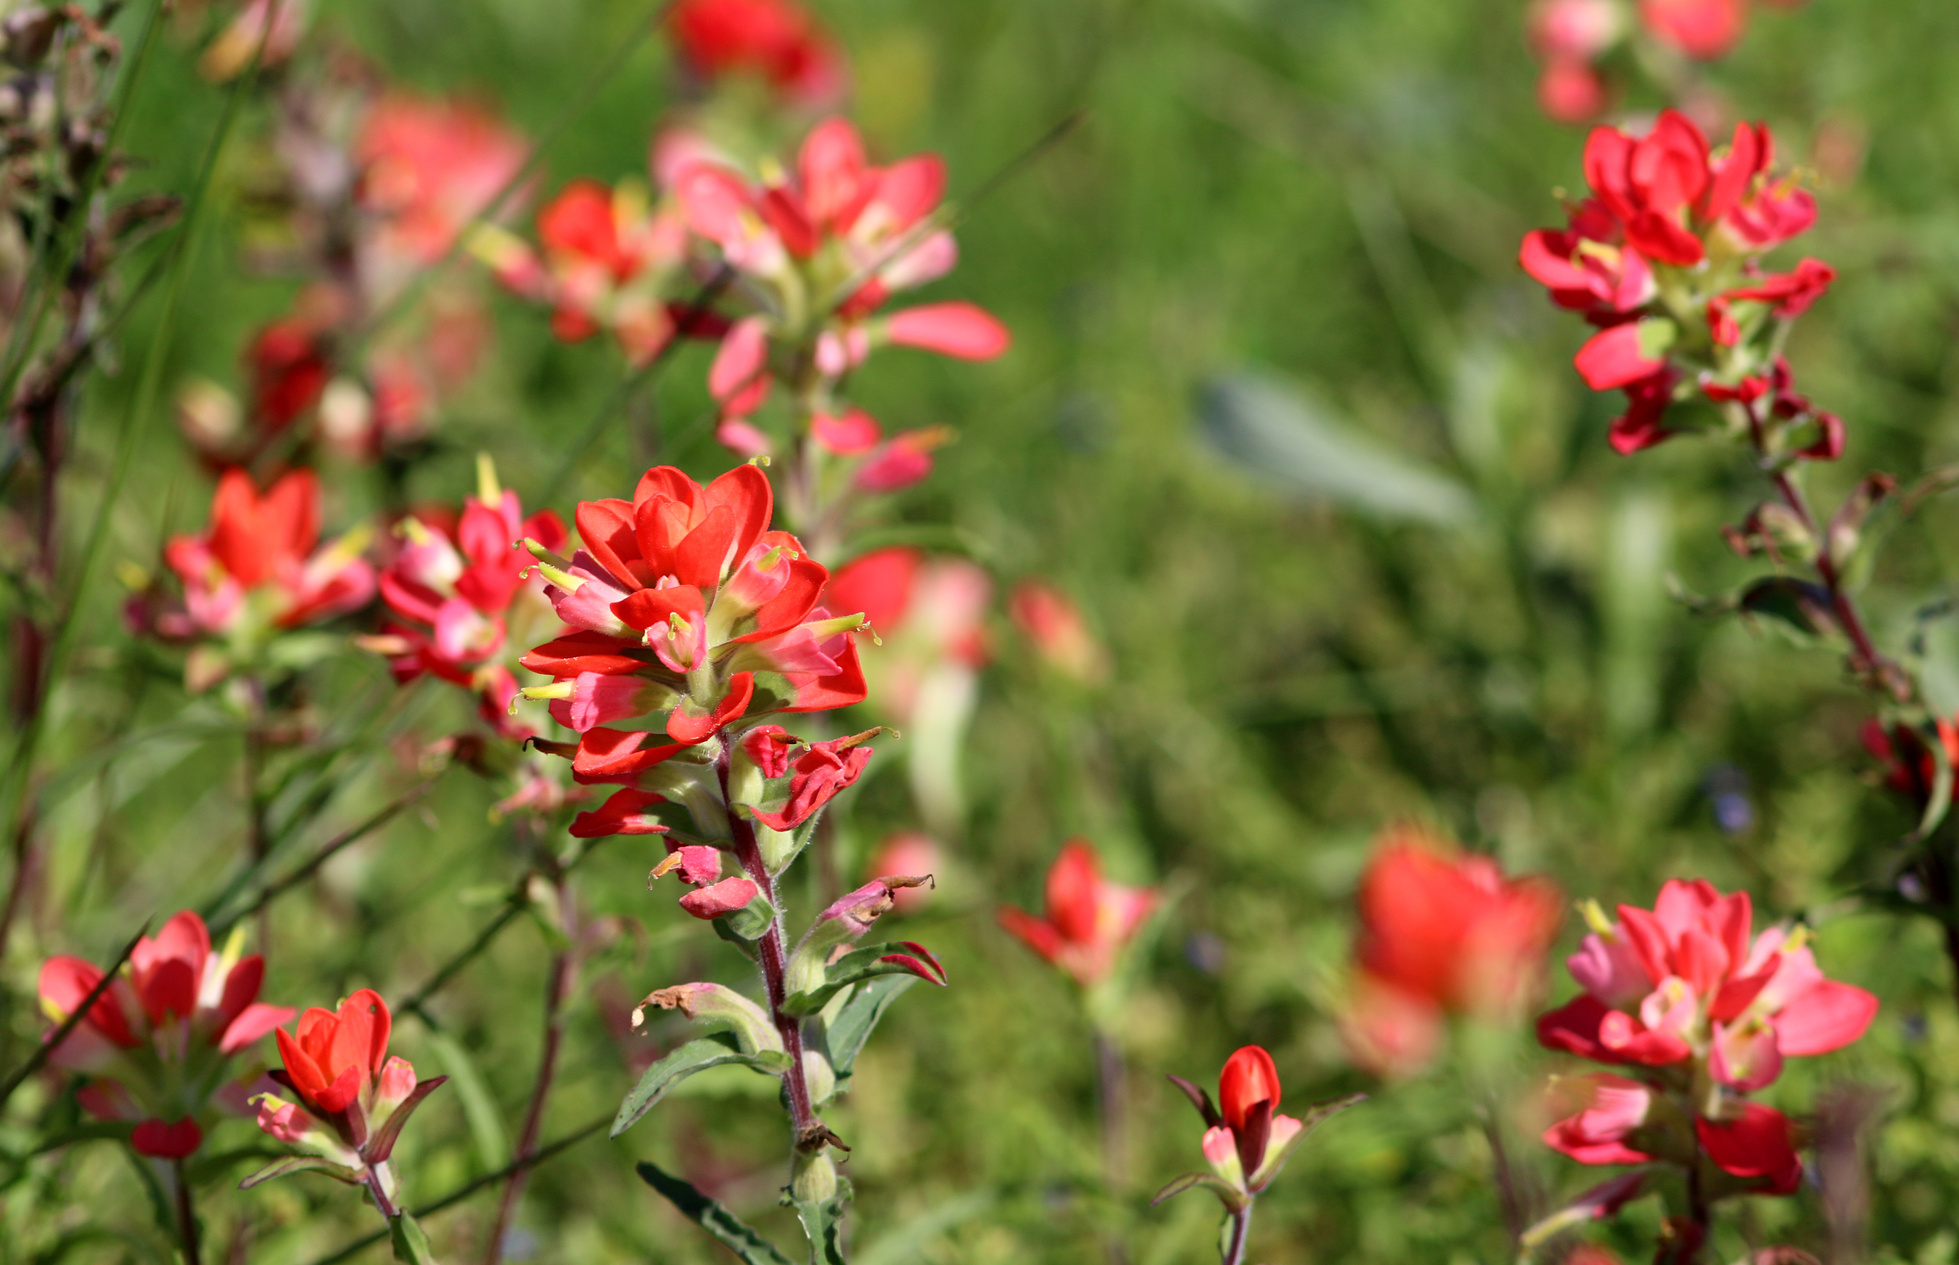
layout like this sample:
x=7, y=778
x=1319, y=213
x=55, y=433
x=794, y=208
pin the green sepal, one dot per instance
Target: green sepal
x=751, y=920
x=1232, y=1197
x=410, y=1244
x=713, y=1050
x=845, y=1035
x=851, y=968
x=735, y=1234
x=823, y=1225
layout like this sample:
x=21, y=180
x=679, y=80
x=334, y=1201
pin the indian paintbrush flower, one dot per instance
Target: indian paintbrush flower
x=1442, y=933
x=1698, y=1012
x=353, y=1099
x=1089, y=920
x=158, y=1044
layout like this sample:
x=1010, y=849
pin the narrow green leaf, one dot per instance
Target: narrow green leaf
x=410, y=1244
x=486, y=1125
x=845, y=1036
x=1797, y=607
x=733, y=1232
x=1292, y=442
x=713, y=1050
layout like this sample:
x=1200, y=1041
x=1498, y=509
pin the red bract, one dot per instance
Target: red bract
x=157, y=1043
x=1441, y=933
x=1089, y=920
x=1664, y=258
x=775, y=40
x=427, y=169
x=930, y=615
x=353, y=1098
x=683, y=601
x=1685, y=982
x=609, y=261
x=255, y=568
x=1906, y=753
x=1706, y=29
x=1246, y=1140
x=1053, y=624
x=828, y=247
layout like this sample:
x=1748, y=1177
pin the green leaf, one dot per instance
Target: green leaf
x=1798, y=607
x=851, y=968
x=845, y=1036
x=733, y=1232
x=410, y=1244
x=1292, y=442
x=823, y=1224
x=713, y=1050
x=280, y=1168
x=486, y=1124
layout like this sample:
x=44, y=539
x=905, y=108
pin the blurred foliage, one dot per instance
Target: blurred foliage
x=1323, y=198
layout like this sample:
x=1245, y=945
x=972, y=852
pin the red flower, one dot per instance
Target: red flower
x=266, y=544
x=1089, y=919
x=803, y=782
x=693, y=607
x=427, y=168
x=1910, y=768
x=157, y=1040
x=1449, y=929
x=930, y=616
x=453, y=587
x=1705, y=29
x=353, y=1098
x=1684, y=982
x=1051, y=621
x=842, y=230
x=774, y=39
x=1246, y=1140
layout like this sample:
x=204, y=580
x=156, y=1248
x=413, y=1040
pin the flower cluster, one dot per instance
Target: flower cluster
x=259, y=569
x=1700, y=1013
x=1089, y=920
x=353, y=1098
x=774, y=40
x=1442, y=933
x=453, y=589
x=818, y=254
x=608, y=259
x=158, y=1044
x=1664, y=258
x=1572, y=38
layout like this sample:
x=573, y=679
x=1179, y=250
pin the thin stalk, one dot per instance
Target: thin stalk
x=307, y=868
x=811, y=1134
x=381, y=1200
x=149, y=385
x=469, y=1188
x=559, y=987
x=60, y=1034
x=186, y=1215
x=1241, y=1234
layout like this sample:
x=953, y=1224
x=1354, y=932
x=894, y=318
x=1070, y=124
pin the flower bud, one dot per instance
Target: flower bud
x=815, y=1180
x=716, y=1004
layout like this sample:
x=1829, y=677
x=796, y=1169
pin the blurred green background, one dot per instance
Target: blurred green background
x=1285, y=417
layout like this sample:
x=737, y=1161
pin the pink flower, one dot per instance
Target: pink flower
x=152, y=1038
x=1705, y=29
x=427, y=168
x=1685, y=982
x=263, y=545
x=776, y=40
x=1089, y=920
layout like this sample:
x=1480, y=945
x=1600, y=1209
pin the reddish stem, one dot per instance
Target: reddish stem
x=810, y=1132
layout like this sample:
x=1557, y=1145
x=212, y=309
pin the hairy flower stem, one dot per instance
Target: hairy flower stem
x=1241, y=1234
x=810, y=1132
x=186, y=1215
x=563, y=978
x=380, y=1194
